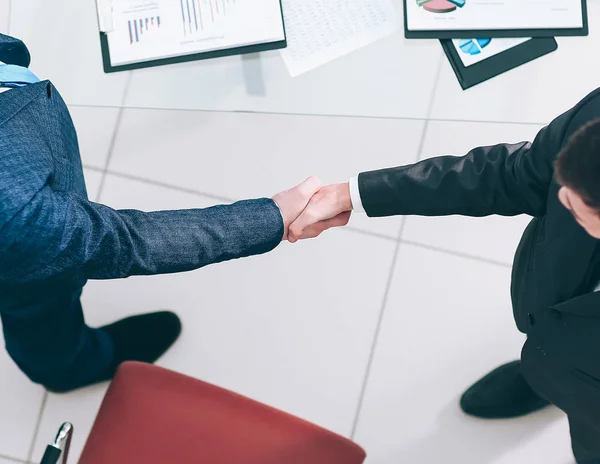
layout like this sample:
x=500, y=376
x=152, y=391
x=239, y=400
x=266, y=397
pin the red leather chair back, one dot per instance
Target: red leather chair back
x=153, y=415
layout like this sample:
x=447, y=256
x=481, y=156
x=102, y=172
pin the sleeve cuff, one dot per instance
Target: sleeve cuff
x=282, y=218
x=357, y=205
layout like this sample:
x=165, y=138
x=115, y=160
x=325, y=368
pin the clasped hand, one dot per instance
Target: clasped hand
x=310, y=209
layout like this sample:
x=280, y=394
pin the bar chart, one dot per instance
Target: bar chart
x=139, y=27
x=200, y=15
x=161, y=29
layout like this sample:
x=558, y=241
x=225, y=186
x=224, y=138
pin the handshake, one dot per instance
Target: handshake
x=309, y=209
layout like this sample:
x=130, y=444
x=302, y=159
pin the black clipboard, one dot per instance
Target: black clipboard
x=242, y=50
x=504, y=33
x=468, y=76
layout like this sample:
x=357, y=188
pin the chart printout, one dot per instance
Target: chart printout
x=473, y=51
x=482, y=15
x=156, y=29
x=320, y=31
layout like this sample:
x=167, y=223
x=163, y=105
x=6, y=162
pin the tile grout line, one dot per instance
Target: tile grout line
x=158, y=183
x=113, y=139
x=12, y=459
x=38, y=424
x=373, y=348
x=381, y=316
x=460, y=254
x=276, y=113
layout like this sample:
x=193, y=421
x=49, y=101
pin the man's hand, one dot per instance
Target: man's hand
x=292, y=202
x=329, y=207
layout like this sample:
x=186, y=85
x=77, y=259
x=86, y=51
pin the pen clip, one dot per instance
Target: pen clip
x=63, y=441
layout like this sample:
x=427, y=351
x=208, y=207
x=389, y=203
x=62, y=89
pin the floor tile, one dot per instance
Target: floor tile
x=392, y=77
x=303, y=317
x=95, y=129
x=246, y=155
x=20, y=402
x=4, y=15
x=92, y=182
x=535, y=92
x=492, y=237
x=536, y=450
x=65, y=48
x=447, y=322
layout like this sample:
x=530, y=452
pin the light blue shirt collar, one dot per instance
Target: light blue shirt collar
x=16, y=76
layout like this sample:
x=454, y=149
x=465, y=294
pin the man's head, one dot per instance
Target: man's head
x=577, y=170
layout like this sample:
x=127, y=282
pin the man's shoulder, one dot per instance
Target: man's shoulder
x=586, y=111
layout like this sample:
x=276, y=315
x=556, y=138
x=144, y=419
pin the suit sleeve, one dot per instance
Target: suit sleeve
x=504, y=179
x=63, y=235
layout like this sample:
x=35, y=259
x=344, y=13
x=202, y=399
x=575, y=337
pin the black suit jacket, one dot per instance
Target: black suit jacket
x=556, y=264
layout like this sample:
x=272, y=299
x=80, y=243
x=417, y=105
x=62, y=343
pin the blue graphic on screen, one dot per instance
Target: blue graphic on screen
x=473, y=46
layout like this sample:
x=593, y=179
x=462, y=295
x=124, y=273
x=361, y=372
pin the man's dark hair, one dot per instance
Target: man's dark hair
x=578, y=164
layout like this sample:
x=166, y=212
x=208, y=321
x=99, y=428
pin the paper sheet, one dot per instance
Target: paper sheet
x=482, y=15
x=472, y=51
x=154, y=29
x=320, y=31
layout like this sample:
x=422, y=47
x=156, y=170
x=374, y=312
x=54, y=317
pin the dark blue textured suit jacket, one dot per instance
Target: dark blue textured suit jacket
x=50, y=230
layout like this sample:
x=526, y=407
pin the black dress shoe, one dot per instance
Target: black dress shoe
x=144, y=338
x=502, y=394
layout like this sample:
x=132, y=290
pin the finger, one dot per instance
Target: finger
x=318, y=228
x=317, y=212
x=340, y=220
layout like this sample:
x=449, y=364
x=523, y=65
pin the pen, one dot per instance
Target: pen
x=58, y=451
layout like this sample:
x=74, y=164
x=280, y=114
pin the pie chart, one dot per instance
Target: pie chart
x=441, y=6
x=473, y=46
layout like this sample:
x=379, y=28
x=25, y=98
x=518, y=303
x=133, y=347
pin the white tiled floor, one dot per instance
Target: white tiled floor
x=79, y=408
x=20, y=403
x=441, y=331
x=95, y=128
x=92, y=180
x=309, y=331
x=9, y=461
x=4, y=13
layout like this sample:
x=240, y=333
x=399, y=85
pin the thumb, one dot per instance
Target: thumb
x=314, y=230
